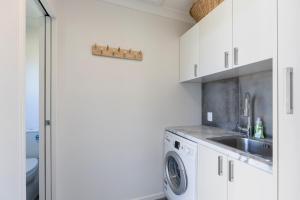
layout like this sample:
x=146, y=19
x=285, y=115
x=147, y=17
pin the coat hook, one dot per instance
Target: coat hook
x=108, y=51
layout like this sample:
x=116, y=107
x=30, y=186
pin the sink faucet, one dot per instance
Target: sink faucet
x=247, y=112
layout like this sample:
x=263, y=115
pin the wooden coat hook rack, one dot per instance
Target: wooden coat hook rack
x=107, y=51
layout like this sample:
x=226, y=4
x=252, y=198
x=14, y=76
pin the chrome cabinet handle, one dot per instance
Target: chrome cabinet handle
x=195, y=70
x=289, y=90
x=226, y=55
x=231, y=171
x=236, y=56
x=220, y=165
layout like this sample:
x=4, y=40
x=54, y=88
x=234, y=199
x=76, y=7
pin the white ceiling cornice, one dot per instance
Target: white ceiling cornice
x=154, y=9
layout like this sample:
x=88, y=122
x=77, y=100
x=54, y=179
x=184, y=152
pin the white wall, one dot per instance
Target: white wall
x=111, y=113
x=32, y=78
x=12, y=87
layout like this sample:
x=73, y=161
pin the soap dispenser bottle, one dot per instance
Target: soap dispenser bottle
x=259, y=129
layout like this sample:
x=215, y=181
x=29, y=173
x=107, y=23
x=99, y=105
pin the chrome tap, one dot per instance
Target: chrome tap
x=247, y=112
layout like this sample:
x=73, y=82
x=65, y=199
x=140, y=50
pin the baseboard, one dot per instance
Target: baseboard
x=151, y=197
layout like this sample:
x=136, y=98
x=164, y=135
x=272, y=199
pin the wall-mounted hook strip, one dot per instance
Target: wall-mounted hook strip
x=107, y=51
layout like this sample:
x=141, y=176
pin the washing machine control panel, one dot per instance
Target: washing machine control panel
x=177, y=145
x=182, y=147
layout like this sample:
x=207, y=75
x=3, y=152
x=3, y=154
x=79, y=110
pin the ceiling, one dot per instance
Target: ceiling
x=175, y=9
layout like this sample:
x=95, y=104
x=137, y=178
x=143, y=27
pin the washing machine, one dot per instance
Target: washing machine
x=180, y=167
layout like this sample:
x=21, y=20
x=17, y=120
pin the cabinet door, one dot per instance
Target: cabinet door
x=212, y=175
x=253, y=25
x=289, y=99
x=215, y=40
x=189, y=56
x=248, y=183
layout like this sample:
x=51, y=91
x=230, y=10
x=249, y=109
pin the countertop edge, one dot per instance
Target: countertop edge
x=237, y=155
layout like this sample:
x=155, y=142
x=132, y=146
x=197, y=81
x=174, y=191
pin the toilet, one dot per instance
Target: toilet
x=32, y=178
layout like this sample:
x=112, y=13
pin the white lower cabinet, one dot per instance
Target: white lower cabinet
x=248, y=183
x=222, y=178
x=212, y=175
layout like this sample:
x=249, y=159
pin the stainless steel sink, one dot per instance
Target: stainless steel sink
x=259, y=148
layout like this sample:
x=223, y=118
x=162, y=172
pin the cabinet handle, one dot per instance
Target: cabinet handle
x=236, y=56
x=226, y=55
x=231, y=171
x=220, y=165
x=195, y=70
x=289, y=90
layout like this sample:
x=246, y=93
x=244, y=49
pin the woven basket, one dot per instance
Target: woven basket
x=202, y=7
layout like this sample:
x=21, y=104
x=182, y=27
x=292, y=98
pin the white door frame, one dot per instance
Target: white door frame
x=48, y=113
x=45, y=168
x=45, y=80
x=42, y=112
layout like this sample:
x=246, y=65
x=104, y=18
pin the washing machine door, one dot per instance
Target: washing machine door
x=175, y=172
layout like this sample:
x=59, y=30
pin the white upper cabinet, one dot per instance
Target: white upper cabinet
x=234, y=34
x=253, y=30
x=215, y=40
x=189, y=54
x=248, y=183
x=212, y=174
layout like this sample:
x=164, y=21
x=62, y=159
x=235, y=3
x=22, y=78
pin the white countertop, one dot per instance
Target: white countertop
x=200, y=134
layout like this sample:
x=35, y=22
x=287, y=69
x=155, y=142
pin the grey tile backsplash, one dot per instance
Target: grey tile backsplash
x=224, y=98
